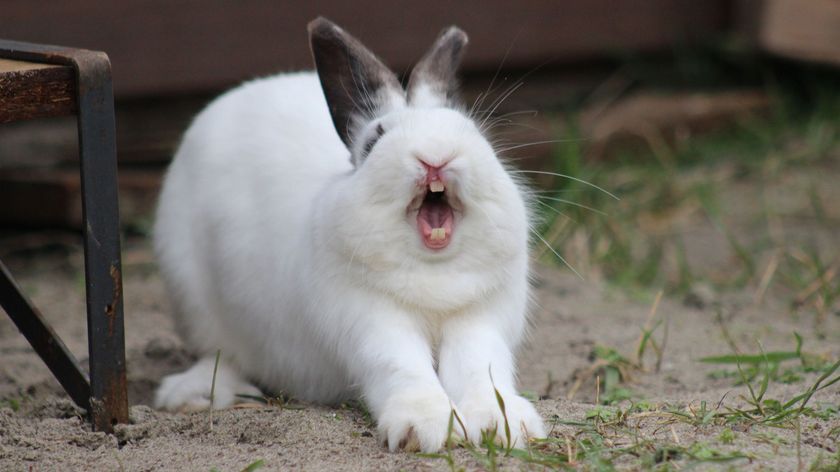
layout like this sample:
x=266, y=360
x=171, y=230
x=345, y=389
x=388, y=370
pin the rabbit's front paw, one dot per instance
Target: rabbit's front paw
x=483, y=413
x=190, y=390
x=415, y=421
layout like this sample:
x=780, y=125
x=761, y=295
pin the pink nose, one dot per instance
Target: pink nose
x=433, y=173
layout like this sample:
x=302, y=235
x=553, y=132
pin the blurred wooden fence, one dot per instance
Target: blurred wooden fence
x=169, y=57
x=164, y=47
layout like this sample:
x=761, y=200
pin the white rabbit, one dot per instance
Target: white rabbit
x=395, y=272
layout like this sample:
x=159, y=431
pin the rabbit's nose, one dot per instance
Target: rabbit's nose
x=434, y=173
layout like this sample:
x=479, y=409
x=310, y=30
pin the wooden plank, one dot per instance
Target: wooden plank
x=30, y=90
x=798, y=29
x=52, y=197
x=655, y=120
x=38, y=199
x=10, y=65
x=149, y=130
x=652, y=122
x=164, y=47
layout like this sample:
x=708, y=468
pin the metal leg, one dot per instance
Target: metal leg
x=44, y=340
x=100, y=210
x=105, y=398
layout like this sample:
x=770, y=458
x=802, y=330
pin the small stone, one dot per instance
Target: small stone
x=701, y=296
x=160, y=348
x=140, y=414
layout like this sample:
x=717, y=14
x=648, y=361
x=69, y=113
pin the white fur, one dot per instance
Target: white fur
x=311, y=278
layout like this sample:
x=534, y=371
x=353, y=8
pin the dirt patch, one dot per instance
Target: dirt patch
x=42, y=430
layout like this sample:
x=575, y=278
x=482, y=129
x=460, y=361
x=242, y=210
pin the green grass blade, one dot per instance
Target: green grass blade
x=213, y=388
x=501, y=402
x=257, y=464
x=753, y=359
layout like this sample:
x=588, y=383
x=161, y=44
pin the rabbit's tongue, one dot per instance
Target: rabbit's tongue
x=435, y=223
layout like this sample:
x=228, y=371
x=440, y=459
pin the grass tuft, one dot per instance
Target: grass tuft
x=213, y=388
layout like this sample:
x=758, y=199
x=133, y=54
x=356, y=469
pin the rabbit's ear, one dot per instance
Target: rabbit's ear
x=357, y=85
x=432, y=81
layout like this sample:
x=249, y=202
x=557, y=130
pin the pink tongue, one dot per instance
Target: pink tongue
x=435, y=215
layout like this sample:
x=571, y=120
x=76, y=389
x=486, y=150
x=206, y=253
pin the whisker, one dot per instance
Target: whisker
x=569, y=202
x=564, y=215
x=519, y=82
x=563, y=190
x=502, y=63
x=535, y=143
x=556, y=254
x=511, y=124
x=488, y=112
x=496, y=122
x=506, y=118
x=565, y=176
x=520, y=112
x=516, y=159
x=555, y=210
x=477, y=103
x=502, y=96
x=500, y=101
x=482, y=96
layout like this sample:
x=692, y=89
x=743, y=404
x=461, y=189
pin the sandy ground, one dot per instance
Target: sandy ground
x=40, y=429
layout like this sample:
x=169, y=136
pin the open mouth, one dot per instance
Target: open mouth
x=435, y=217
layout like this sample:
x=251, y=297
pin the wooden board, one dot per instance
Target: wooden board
x=53, y=197
x=655, y=121
x=801, y=29
x=148, y=130
x=164, y=47
x=9, y=65
x=29, y=90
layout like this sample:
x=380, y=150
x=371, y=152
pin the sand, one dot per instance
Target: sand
x=40, y=429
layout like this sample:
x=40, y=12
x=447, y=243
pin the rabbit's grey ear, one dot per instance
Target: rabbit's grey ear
x=357, y=85
x=432, y=81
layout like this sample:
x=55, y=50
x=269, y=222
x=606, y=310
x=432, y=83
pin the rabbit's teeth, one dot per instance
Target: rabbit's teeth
x=438, y=234
x=436, y=186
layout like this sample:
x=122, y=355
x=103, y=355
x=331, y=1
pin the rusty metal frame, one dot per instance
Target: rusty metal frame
x=104, y=396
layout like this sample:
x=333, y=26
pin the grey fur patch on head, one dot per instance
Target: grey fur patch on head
x=356, y=84
x=359, y=87
x=436, y=70
x=368, y=146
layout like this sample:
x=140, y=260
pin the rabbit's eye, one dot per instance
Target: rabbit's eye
x=372, y=140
